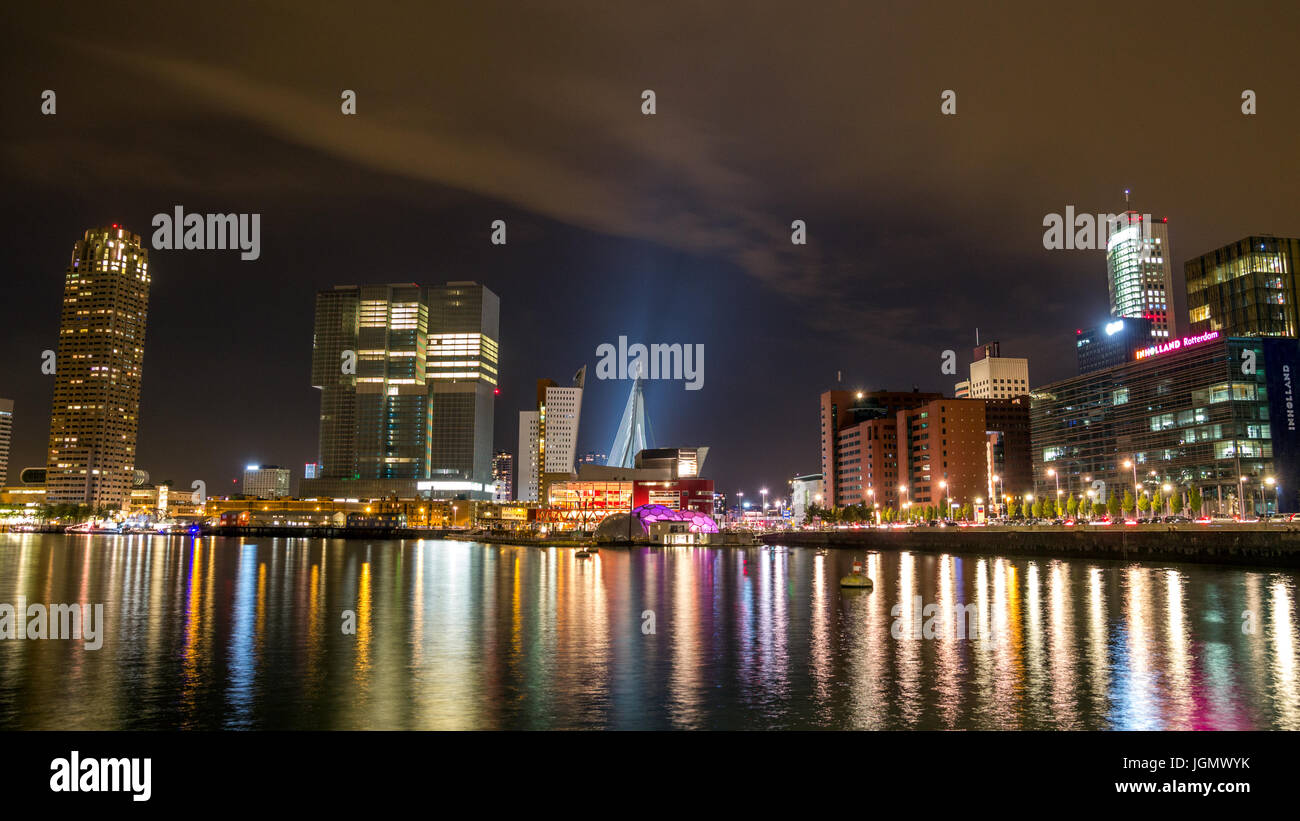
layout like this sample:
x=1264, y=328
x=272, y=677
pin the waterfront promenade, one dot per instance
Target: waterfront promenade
x=1234, y=544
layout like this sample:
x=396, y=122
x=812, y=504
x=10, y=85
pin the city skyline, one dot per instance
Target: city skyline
x=966, y=235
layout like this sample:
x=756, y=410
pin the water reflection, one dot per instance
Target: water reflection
x=223, y=633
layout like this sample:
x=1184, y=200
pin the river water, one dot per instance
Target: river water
x=331, y=634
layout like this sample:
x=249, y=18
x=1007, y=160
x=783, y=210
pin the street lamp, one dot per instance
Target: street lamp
x=943, y=484
x=1169, y=500
x=1052, y=472
x=1132, y=463
x=902, y=491
x=1241, y=497
x=764, y=492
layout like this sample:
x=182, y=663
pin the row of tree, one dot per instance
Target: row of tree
x=69, y=513
x=1015, y=509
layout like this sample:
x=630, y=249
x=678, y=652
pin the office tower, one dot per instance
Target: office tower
x=1245, y=288
x=528, y=477
x=95, y=413
x=6, y=434
x=368, y=360
x=1184, y=416
x=408, y=378
x=993, y=376
x=1139, y=271
x=333, y=373
x=1111, y=343
x=503, y=468
x=464, y=329
x=266, y=481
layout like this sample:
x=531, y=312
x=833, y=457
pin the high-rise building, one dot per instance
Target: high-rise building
x=1112, y=343
x=993, y=376
x=463, y=356
x=1139, y=271
x=889, y=449
x=95, y=413
x=528, y=475
x=1246, y=288
x=559, y=410
x=266, y=481
x=311, y=470
x=408, y=379
x=503, y=469
x=6, y=434
x=963, y=450
x=859, y=444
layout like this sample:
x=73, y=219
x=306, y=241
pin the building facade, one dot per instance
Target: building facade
x=1208, y=412
x=894, y=449
x=95, y=412
x=1112, y=343
x=993, y=376
x=1245, y=288
x=463, y=358
x=527, y=472
x=408, y=378
x=266, y=481
x=1140, y=273
x=548, y=437
x=6, y=435
x=503, y=471
x=859, y=444
x=582, y=504
x=955, y=451
x=805, y=491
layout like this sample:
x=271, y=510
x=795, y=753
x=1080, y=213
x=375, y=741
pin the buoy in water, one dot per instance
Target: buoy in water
x=857, y=578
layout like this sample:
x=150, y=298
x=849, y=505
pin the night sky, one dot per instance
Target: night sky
x=666, y=228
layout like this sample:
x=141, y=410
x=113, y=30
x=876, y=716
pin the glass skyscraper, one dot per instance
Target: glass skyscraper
x=95, y=413
x=463, y=357
x=1139, y=272
x=407, y=376
x=1246, y=288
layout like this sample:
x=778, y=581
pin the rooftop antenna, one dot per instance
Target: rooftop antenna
x=977, y=337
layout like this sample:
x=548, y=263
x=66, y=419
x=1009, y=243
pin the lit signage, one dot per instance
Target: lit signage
x=1115, y=327
x=1176, y=344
